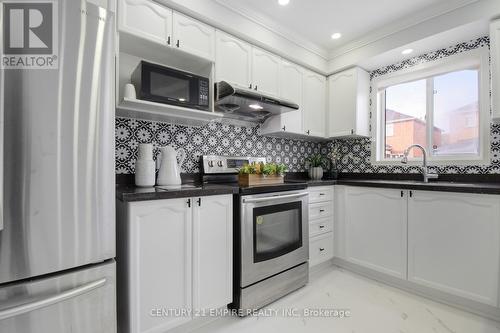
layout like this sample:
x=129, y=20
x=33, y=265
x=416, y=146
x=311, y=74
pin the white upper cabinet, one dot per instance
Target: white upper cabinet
x=233, y=60
x=454, y=243
x=348, y=99
x=291, y=89
x=372, y=229
x=146, y=19
x=266, y=72
x=495, y=68
x=314, y=104
x=193, y=37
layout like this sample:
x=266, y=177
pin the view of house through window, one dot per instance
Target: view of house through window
x=440, y=113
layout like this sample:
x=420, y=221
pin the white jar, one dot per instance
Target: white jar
x=145, y=168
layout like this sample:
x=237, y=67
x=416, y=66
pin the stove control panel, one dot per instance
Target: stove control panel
x=213, y=164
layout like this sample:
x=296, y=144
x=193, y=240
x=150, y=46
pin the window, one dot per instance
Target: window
x=440, y=105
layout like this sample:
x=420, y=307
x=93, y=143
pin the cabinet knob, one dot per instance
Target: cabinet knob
x=189, y=203
x=178, y=43
x=321, y=210
x=321, y=226
x=255, y=87
x=352, y=131
x=199, y=202
x=321, y=249
x=308, y=132
x=250, y=86
x=168, y=40
x=283, y=128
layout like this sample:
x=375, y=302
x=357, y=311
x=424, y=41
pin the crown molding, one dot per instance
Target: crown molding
x=381, y=33
x=400, y=25
x=277, y=29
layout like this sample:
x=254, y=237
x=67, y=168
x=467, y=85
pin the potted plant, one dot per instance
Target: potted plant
x=334, y=157
x=316, y=163
x=261, y=174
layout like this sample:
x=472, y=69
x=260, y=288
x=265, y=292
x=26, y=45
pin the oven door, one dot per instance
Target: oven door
x=274, y=234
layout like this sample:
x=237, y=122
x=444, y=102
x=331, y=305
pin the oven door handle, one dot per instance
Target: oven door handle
x=275, y=197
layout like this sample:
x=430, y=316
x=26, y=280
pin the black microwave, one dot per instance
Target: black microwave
x=170, y=86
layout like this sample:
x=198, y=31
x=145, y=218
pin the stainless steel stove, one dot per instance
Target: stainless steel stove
x=271, y=248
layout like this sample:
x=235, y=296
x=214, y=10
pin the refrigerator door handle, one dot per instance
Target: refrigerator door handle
x=2, y=80
x=51, y=300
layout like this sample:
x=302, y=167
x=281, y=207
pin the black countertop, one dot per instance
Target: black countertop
x=133, y=193
x=464, y=185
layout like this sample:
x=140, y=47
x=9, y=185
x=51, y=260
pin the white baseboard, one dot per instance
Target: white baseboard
x=480, y=309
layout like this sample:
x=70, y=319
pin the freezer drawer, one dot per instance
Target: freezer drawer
x=82, y=301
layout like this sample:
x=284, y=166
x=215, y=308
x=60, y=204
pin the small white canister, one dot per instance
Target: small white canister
x=145, y=166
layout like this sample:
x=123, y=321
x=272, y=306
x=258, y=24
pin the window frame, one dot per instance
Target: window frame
x=478, y=59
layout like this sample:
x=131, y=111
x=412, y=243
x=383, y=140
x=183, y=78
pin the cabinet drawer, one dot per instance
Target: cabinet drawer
x=320, y=210
x=320, y=194
x=318, y=227
x=320, y=249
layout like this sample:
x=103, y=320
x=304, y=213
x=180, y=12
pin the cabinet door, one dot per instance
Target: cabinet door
x=495, y=68
x=375, y=229
x=314, y=104
x=160, y=262
x=291, y=89
x=193, y=36
x=212, y=252
x=266, y=72
x=342, y=104
x=453, y=243
x=146, y=19
x=233, y=60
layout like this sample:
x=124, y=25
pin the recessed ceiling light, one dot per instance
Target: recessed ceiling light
x=407, y=51
x=336, y=35
x=255, y=106
x=283, y=2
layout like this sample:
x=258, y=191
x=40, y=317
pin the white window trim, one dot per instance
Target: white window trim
x=473, y=58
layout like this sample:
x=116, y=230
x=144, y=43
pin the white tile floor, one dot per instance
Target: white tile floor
x=374, y=307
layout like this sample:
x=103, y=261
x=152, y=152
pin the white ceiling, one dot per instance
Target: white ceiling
x=313, y=21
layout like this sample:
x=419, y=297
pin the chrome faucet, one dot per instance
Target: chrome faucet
x=425, y=170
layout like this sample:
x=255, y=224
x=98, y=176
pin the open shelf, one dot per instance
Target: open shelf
x=146, y=110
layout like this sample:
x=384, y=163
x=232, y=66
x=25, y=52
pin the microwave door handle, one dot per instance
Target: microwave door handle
x=275, y=197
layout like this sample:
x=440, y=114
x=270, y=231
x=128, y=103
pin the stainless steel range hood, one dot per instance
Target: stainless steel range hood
x=248, y=105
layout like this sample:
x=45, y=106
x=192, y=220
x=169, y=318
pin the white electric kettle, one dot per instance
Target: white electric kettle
x=169, y=173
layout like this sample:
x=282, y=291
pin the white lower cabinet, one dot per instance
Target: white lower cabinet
x=178, y=256
x=320, y=224
x=212, y=248
x=375, y=229
x=454, y=243
x=320, y=249
x=446, y=243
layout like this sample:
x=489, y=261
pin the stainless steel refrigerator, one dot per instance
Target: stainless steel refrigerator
x=57, y=237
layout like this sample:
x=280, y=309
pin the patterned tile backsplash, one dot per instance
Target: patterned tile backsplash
x=223, y=139
x=214, y=138
x=356, y=156
x=356, y=153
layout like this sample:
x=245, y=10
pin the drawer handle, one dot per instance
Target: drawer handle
x=321, y=210
x=322, y=194
x=321, y=249
x=321, y=226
